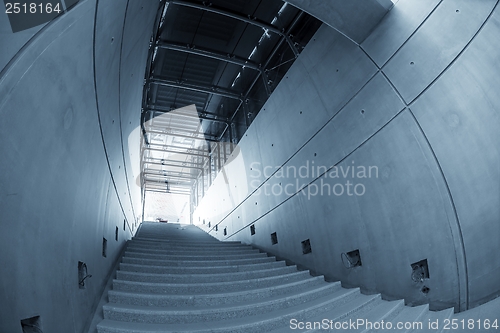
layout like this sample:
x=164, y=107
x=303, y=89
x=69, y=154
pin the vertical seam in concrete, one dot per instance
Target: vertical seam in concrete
x=458, y=231
x=120, y=109
x=458, y=243
x=98, y=112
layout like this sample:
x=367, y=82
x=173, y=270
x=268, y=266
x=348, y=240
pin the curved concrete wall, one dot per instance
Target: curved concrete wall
x=417, y=103
x=70, y=97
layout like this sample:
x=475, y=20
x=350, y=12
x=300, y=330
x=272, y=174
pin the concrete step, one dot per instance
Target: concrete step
x=200, y=278
x=280, y=318
x=182, y=245
x=164, y=315
x=188, y=241
x=198, y=270
x=325, y=317
x=432, y=317
x=211, y=300
x=192, y=252
x=209, y=287
x=410, y=318
x=197, y=263
x=244, y=255
x=176, y=278
x=375, y=318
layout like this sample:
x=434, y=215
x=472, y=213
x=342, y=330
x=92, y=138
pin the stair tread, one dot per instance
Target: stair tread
x=203, y=270
x=225, y=294
x=188, y=244
x=410, y=315
x=209, y=276
x=339, y=313
x=129, y=254
x=136, y=248
x=327, y=287
x=382, y=312
x=282, y=315
x=304, y=274
x=167, y=240
x=157, y=262
x=432, y=316
x=201, y=299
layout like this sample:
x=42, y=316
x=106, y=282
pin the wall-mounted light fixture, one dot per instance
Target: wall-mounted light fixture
x=420, y=271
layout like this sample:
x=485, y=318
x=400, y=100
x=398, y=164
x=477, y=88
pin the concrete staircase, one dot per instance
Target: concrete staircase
x=177, y=278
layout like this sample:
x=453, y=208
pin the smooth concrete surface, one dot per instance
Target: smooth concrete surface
x=356, y=19
x=417, y=102
x=58, y=195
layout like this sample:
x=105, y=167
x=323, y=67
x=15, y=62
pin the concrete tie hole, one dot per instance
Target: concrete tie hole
x=274, y=238
x=351, y=259
x=32, y=325
x=306, y=246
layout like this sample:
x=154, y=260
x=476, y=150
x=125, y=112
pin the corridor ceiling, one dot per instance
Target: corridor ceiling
x=212, y=65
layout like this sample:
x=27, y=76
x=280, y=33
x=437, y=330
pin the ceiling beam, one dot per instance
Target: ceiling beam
x=174, y=166
x=205, y=138
x=160, y=161
x=202, y=116
x=169, y=192
x=192, y=49
x=213, y=90
x=162, y=186
x=168, y=177
x=175, y=152
x=170, y=126
x=247, y=19
x=182, y=148
x=189, y=149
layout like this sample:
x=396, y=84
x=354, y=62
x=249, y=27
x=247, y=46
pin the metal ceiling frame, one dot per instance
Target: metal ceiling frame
x=174, y=152
x=170, y=176
x=159, y=161
x=172, y=127
x=247, y=19
x=209, y=138
x=273, y=53
x=155, y=108
x=170, y=192
x=197, y=160
x=175, y=166
x=194, y=87
x=192, y=49
x=189, y=149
